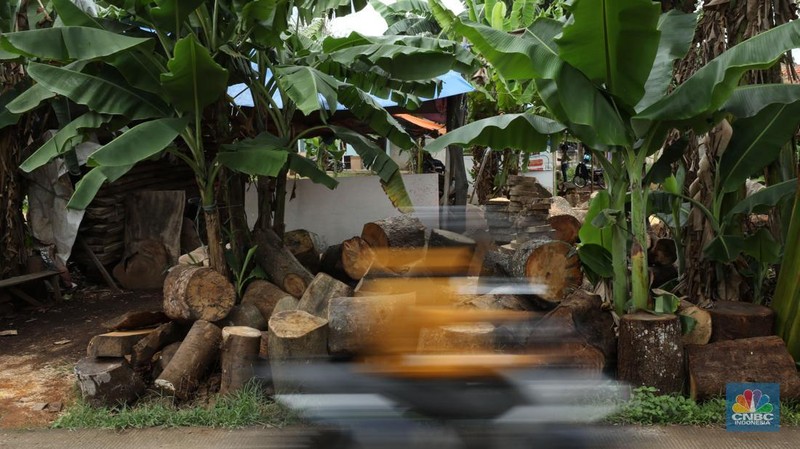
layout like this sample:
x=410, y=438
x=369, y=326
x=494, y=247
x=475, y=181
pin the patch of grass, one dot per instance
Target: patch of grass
x=247, y=407
x=647, y=407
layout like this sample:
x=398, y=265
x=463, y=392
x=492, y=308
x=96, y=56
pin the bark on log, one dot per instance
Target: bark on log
x=115, y=344
x=285, y=304
x=108, y=382
x=197, y=293
x=566, y=227
x=280, y=264
x=263, y=345
x=195, y=355
x=701, y=332
x=731, y=320
x=496, y=264
x=162, y=358
x=582, y=314
x=662, y=252
x=264, y=295
x=355, y=324
x=318, y=294
x=348, y=261
x=758, y=359
x=246, y=315
x=143, y=351
x=457, y=338
x=650, y=352
x=398, y=241
x=449, y=253
x=495, y=302
x=240, y=345
x=136, y=320
x=551, y=264
x=306, y=246
x=294, y=337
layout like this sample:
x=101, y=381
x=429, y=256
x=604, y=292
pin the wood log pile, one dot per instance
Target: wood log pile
x=529, y=207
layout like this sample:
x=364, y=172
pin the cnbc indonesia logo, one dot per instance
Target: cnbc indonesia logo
x=752, y=408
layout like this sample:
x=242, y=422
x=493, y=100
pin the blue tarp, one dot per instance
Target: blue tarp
x=452, y=84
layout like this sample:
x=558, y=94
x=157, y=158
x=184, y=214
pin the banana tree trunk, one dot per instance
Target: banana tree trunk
x=216, y=253
x=619, y=238
x=640, y=285
x=786, y=301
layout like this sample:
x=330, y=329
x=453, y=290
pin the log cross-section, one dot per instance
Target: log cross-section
x=197, y=293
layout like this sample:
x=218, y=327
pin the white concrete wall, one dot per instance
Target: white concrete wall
x=340, y=214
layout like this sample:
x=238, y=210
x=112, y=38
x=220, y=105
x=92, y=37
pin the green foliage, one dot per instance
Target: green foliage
x=194, y=79
x=647, y=407
x=786, y=301
x=243, y=270
x=247, y=407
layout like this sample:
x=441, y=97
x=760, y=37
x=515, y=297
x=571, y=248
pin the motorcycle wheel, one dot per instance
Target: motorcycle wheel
x=579, y=181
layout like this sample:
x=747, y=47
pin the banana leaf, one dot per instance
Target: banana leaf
x=194, y=79
x=138, y=143
x=69, y=43
x=65, y=139
x=524, y=131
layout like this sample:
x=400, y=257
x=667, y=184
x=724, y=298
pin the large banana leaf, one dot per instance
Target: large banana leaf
x=711, y=86
x=748, y=101
x=63, y=140
x=8, y=118
x=138, y=143
x=87, y=187
x=760, y=246
x=366, y=109
x=375, y=158
x=194, y=79
x=591, y=234
x=263, y=155
x=763, y=200
x=613, y=42
x=525, y=132
x=304, y=85
x=170, y=14
x=30, y=99
x=141, y=70
x=677, y=32
x=99, y=94
x=307, y=168
x=756, y=142
x=71, y=15
x=69, y=43
x=786, y=300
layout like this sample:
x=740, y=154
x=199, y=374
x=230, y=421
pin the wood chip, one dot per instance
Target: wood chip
x=8, y=333
x=62, y=342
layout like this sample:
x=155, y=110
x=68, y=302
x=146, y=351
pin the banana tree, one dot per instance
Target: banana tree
x=156, y=72
x=604, y=74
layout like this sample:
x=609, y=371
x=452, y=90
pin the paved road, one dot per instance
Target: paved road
x=196, y=438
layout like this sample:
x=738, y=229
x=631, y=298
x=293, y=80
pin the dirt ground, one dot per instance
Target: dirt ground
x=36, y=365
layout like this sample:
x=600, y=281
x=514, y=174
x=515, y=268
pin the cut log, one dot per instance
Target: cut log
x=295, y=337
x=441, y=238
x=758, y=359
x=264, y=295
x=662, y=252
x=244, y=315
x=449, y=253
x=108, y=382
x=285, y=304
x=582, y=314
x=162, y=358
x=457, y=338
x=566, y=227
x=496, y=264
x=280, y=264
x=650, y=352
x=143, y=351
x=145, y=269
x=115, y=344
x=194, y=356
x=320, y=291
x=197, y=293
x=701, y=332
x=552, y=266
x=263, y=346
x=495, y=302
x=136, y=320
x=307, y=247
x=348, y=261
x=357, y=323
x=403, y=236
x=240, y=345
x=731, y=320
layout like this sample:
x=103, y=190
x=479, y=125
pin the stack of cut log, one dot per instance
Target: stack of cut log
x=498, y=218
x=528, y=207
x=103, y=230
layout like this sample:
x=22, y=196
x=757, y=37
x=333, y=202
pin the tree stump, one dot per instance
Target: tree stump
x=319, y=292
x=244, y=315
x=457, y=338
x=551, y=265
x=403, y=236
x=283, y=269
x=264, y=295
x=348, y=261
x=108, y=382
x=355, y=324
x=701, y=333
x=758, y=359
x=197, y=293
x=295, y=337
x=306, y=246
x=731, y=320
x=143, y=351
x=193, y=358
x=650, y=352
x=115, y=344
x=239, y=353
x=566, y=227
x=136, y=320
